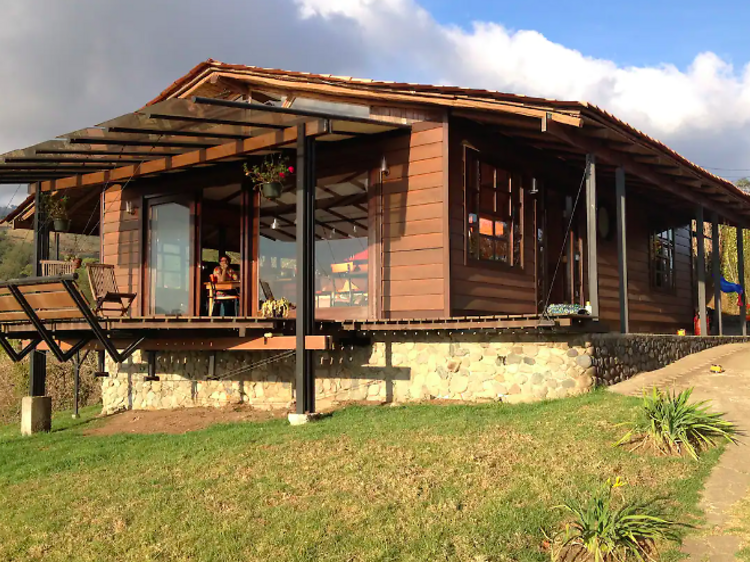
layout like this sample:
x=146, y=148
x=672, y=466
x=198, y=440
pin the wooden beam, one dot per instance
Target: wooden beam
x=716, y=271
x=622, y=251
x=700, y=266
x=411, y=97
x=211, y=155
x=591, y=234
x=643, y=171
x=273, y=343
x=741, y=275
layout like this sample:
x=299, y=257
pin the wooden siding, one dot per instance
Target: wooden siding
x=651, y=310
x=120, y=239
x=484, y=288
x=413, y=264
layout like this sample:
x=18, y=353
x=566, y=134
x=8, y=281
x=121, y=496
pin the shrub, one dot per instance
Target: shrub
x=609, y=533
x=674, y=425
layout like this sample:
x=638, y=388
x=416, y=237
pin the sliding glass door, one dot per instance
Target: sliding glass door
x=169, y=275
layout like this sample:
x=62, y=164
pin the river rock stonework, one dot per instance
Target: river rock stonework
x=453, y=367
x=619, y=357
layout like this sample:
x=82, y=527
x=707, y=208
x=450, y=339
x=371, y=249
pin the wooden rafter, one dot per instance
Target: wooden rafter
x=643, y=171
x=214, y=154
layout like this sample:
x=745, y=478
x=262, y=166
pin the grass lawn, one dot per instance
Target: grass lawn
x=421, y=483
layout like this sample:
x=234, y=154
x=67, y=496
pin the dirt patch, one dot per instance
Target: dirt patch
x=179, y=420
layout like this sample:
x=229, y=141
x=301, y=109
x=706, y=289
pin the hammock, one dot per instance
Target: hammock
x=727, y=287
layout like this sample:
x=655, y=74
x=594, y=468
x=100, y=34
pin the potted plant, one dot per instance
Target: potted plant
x=270, y=176
x=75, y=260
x=276, y=308
x=57, y=211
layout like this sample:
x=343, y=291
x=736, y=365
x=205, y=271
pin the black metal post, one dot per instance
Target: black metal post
x=700, y=266
x=741, y=275
x=305, y=366
x=101, y=366
x=38, y=359
x=591, y=223
x=76, y=383
x=716, y=267
x=622, y=250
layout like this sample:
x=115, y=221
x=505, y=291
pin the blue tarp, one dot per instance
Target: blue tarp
x=727, y=287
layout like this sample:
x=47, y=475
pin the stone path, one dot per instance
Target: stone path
x=730, y=480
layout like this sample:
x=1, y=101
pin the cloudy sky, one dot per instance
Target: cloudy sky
x=677, y=70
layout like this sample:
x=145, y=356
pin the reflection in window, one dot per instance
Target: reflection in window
x=341, y=244
x=169, y=259
x=662, y=260
x=494, y=202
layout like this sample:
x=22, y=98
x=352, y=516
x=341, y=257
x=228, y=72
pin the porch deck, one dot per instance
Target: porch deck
x=243, y=326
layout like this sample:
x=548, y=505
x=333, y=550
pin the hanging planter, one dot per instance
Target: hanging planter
x=56, y=209
x=269, y=176
x=271, y=189
x=61, y=225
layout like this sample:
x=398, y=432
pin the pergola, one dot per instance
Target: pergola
x=175, y=136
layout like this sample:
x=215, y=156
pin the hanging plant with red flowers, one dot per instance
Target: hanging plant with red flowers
x=270, y=170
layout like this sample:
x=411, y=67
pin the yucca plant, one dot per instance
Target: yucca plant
x=674, y=425
x=613, y=534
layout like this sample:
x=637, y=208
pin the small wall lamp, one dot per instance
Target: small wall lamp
x=384, y=167
x=130, y=208
x=534, y=187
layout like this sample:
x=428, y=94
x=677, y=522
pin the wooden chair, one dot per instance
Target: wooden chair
x=54, y=268
x=104, y=290
x=266, y=288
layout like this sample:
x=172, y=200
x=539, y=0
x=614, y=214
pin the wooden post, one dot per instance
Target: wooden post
x=716, y=267
x=741, y=273
x=592, y=255
x=305, y=365
x=622, y=250
x=700, y=266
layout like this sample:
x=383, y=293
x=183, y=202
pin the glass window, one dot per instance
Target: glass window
x=341, y=244
x=662, y=260
x=169, y=259
x=494, y=203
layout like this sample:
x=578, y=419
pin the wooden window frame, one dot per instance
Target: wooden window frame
x=513, y=218
x=670, y=266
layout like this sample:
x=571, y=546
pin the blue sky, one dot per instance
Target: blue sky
x=629, y=32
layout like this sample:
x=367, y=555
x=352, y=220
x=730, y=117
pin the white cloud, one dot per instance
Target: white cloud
x=703, y=110
x=88, y=60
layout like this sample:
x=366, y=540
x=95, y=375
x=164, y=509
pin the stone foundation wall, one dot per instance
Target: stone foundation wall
x=619, y=357
x=452, y=367
x=473, y=368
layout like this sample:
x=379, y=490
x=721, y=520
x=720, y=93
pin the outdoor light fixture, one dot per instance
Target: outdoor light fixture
x=534, y=188
x=384, y=166
x=274, y=224
x=129, y=209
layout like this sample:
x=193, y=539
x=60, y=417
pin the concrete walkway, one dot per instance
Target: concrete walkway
x=730, y=480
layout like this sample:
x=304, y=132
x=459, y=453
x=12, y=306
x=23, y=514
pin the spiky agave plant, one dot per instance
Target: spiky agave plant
x=673, y=424
x=609, y=533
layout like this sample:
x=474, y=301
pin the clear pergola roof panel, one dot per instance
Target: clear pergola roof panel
x=168, y=128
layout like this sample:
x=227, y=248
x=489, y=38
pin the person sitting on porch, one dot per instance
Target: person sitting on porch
x=225, y=300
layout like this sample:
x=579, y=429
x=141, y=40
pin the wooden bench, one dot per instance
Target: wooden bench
x=54, y=268
x=43, y=301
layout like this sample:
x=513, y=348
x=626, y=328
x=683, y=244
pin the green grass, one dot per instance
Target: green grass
x=421, y=482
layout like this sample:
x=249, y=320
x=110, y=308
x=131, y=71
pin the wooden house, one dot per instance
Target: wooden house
x=411, y=208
